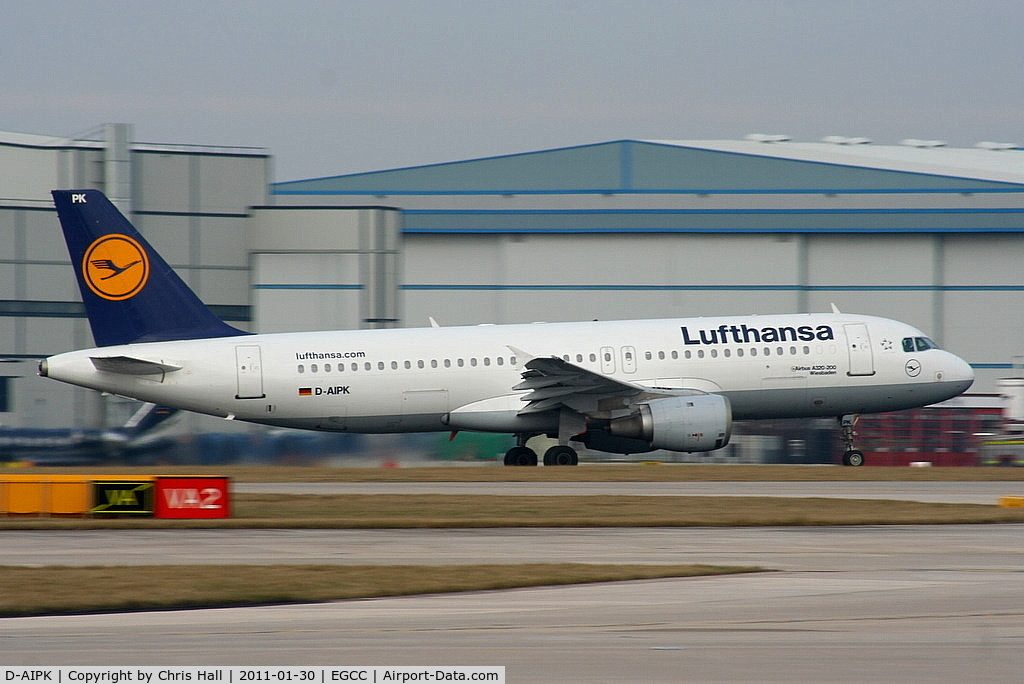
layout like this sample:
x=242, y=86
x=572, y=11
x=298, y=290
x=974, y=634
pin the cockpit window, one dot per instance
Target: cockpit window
x=911, y=344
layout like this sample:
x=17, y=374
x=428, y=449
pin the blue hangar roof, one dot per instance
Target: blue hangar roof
x=722, y=166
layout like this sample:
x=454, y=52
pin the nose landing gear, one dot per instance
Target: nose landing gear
x=852, y=456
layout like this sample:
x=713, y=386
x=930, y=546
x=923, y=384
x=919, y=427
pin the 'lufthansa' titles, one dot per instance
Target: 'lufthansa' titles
x=743, y=334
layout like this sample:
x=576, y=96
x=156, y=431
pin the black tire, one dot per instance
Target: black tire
x=520, y=456
x=561, y=456
x=853, y=458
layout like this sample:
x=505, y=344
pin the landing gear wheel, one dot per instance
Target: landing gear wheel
x=853, y=458
x=520, y=456
x=561, y=456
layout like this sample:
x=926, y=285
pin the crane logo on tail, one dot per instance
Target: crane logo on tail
x=115, y=267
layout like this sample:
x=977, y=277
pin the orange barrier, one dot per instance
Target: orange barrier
x=46, y=494
x=166, y=497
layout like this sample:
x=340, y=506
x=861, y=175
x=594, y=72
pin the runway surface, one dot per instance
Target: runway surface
x=932, y=492
x=815, y=549
x=903, y=603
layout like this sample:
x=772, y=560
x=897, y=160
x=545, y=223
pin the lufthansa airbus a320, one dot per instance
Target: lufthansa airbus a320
x=614, y=386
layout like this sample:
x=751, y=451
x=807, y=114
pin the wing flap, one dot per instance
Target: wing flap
x=553, y=383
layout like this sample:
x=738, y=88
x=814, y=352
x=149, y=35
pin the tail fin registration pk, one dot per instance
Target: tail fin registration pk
x=130, y=293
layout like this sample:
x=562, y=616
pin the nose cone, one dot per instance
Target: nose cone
x=958, y=375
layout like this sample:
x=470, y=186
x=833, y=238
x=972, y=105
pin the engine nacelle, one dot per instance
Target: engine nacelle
x=701, y=422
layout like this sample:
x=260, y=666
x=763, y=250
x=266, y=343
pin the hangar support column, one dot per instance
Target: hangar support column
x=117, y=165
x=803, y=274
x=322, y=268
x=938, y=287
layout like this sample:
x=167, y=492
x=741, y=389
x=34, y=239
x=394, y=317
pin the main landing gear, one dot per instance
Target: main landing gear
x=852, y=456
x=522, y=455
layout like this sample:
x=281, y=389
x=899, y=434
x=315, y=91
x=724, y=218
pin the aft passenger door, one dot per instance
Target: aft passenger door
x=249, y=367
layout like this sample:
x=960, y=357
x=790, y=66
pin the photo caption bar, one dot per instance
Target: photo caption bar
x=239, y=675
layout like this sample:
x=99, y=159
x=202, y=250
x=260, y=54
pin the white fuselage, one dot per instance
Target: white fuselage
x=406, y=380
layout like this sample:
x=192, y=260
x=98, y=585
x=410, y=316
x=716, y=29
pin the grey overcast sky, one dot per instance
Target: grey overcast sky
x=341, y=87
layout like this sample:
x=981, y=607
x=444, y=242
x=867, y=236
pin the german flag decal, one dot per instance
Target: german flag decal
x=305, y=391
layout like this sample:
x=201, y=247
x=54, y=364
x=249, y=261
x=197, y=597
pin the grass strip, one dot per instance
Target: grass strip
x=627, y=472
x=398, y=511
x=57, y=590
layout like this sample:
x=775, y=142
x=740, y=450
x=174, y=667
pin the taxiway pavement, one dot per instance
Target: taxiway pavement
x=930, y=492
x=850, y=604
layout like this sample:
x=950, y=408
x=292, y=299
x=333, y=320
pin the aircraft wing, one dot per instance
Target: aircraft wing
x=555, y=382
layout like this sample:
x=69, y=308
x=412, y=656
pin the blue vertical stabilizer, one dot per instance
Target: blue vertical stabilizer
x=130, y=293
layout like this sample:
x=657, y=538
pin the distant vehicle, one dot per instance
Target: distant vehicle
x=617, y=386
x=1002, y=450
x=81, y=446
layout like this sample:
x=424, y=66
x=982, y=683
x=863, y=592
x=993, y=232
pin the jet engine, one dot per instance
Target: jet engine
x=701, y=422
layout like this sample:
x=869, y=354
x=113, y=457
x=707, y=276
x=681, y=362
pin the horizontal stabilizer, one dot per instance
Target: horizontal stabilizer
x=127, y=365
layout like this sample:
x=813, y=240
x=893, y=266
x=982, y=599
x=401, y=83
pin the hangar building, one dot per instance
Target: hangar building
x=927, y=234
